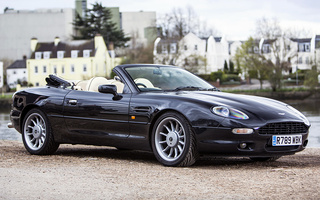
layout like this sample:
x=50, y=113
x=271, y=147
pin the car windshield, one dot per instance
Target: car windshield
x=166, y=78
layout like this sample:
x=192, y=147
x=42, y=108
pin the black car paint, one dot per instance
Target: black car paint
x=81, y=117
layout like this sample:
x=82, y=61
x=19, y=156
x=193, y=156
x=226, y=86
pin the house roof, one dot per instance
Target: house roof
x=18, y=64
x=66, y=47
x=302, y=40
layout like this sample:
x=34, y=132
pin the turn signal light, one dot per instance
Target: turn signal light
x=242, y=130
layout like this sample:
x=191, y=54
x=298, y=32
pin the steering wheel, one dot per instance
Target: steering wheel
x=141, y=84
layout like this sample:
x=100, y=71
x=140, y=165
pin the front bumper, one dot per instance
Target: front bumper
x=221, y=141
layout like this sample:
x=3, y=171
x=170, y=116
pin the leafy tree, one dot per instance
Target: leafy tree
x=231, y=66
x=254, y=64
x=311, y=78
x=98, y=21
x=225, y=67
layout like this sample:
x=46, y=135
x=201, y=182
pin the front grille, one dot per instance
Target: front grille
x=283, y=128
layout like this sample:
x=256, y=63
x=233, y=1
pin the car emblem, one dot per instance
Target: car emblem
x=282, y=114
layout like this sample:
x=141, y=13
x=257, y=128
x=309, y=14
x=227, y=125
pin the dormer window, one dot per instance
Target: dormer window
x=86, y=53
x=74, y=54
x=164, y=49
x=173, y=48
x=60, y=54
x=38, y=55
x=46, y=54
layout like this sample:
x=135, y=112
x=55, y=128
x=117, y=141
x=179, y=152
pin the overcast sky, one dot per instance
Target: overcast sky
x=236, y=19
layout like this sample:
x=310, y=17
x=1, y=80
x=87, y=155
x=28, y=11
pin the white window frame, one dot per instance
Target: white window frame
x=173, y=48
x=44, y=69
x=74, y=54
x=46, y=55
x=38, y=55
x=86, y=53
x=60, y=54
x=164, y=49
x=36, y=69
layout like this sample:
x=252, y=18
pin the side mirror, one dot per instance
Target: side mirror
x=110, y=89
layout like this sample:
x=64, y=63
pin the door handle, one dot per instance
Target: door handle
x=73, y=102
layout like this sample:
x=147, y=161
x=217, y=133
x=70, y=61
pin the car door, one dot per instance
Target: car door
x=95, y=118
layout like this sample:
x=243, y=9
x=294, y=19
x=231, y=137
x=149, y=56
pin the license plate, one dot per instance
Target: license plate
x=286, y=140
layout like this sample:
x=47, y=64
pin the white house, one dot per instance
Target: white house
x=17, y=73
x=200, y=55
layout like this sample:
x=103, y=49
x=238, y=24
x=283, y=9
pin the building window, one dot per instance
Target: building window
x=304, y=47
x=256, y=49
x=36, y=69
x=173, y=48
x=196, y=47
x=62, y=69
x=46, y=54
x=14, y=72
x=307, y=60
x=186, y=61
x=164, y=49
x=86, y=53
x=185, y=47
x=55, y=69
x=84, y=68
x=72, y=68
x=300, y=60
x=37, y=84
x=44, y=69
x=288, y=48
x=38, y=55
x=266, y=48
x=60, y=54
x=74, y=54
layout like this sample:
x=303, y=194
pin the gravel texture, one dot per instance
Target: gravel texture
x=89, y=172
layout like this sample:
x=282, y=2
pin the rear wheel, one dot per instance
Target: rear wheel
x=37, y=135
x=173, y=141
x=264, y=159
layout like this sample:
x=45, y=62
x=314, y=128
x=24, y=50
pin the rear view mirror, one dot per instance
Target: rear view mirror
x=110, y=89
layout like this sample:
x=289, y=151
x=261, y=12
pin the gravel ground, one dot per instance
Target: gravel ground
x=88, y=172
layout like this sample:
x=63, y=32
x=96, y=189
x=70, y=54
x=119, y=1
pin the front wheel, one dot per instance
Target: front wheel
x=173, y=141
x=37, y=135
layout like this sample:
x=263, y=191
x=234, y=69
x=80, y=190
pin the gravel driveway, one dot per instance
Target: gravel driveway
x=88, y=172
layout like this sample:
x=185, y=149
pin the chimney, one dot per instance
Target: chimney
x=56, y=41
x=34, y=42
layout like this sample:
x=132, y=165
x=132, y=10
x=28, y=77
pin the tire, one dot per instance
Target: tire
x=37, y=134
x=264, y=159
x=173, y=141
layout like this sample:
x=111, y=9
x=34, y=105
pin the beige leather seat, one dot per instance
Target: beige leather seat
x=144, y=81
x=94, y=83
x=117, y=83
x=81, y=85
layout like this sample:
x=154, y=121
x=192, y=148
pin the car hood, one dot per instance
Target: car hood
x=265, y=109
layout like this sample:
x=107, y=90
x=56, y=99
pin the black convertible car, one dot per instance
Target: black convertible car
x=163, y=109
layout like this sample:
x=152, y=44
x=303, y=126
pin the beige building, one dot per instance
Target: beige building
x=75, y=60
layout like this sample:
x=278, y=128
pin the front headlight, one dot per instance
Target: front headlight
x=229, y=112
x=299, y=114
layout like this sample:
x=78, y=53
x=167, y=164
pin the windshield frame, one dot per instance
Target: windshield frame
x=160, y=80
